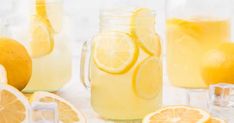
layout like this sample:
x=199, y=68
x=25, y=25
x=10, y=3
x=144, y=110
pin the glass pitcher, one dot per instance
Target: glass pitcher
x=124, y=66
x=46, y=41
x=194, y=27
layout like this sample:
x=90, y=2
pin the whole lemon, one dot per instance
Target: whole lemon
x=218, y=65
x=17, y=62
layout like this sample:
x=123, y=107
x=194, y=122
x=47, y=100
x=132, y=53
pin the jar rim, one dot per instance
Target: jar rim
x=120, y=12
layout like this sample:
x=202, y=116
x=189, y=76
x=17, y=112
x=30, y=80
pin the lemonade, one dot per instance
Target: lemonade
x=125, y=70
x=49, y=48
x=188, y=40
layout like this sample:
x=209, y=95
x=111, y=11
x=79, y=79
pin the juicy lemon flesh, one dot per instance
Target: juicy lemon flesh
x=143, y=29
x=179, y=115
x=148, y=78
x=11, y=109
x=114, y=52
x=16, y=61
x=67, y=115
x=218, y=65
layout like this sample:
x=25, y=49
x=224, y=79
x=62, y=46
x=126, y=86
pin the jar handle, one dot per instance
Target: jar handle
x=84, y=65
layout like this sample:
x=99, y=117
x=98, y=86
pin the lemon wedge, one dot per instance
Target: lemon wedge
x=114, y=52
x=143, y=29
x=147, y=78
x=14, y=106
x=67, y=112
x=178, y=114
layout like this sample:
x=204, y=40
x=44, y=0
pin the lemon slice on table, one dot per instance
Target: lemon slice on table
x=217, y=120
x=147, y=78
x=42, y=42
x=14, y=107
x=67, y=112
x=114, y=52
x=178, y=114
x=143, y=29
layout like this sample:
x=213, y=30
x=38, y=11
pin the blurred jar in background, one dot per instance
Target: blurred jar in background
x=48, y=45
x=193, y=28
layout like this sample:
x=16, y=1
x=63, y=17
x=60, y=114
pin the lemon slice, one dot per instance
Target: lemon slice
x=178, y=114
x=42, y=42
x=67, y=112
x=143, y=28
x=217, y=120
x=14, y=107
x=147, y=78
x=114, y=52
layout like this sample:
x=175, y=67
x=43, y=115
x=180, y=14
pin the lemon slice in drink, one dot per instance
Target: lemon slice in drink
x=14, y=106
x=114, y=52
x=67, y=112
x=147, y=78
x=178, y=114
x=42, y=42
x=143, y=29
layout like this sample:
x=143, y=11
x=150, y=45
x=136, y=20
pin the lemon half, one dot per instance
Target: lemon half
x=67, y=112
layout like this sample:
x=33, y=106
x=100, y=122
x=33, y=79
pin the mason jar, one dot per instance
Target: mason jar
x=124, y=66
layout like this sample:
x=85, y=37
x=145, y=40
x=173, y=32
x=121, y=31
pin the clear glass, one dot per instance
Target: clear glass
x=194, y=27
x=45, y=38
x=120, y=96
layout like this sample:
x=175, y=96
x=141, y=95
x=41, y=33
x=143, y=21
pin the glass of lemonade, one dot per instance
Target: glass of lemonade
x=193, y=27
x=125, y=68
x=48, y=45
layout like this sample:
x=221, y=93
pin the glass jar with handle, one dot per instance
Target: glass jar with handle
x=124, y=65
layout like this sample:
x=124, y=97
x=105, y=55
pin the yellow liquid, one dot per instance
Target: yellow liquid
x=113, y=96
x=187, y=42
x=51, y=72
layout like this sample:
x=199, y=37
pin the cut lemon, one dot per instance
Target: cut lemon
x=178, y=114
x=114, y=52
x=143, y=29
x=42, y=41
x=14, y=107
x=217, y=120
x=67, y=112
x=147, y=79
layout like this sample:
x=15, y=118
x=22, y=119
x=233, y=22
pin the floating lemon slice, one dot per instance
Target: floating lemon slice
x=178, y=114
x=143, y=29
x=147, y=79
x=42, y=42
x=217, y=120
x=14, y=107
x=114, y=52
x=67, y=112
